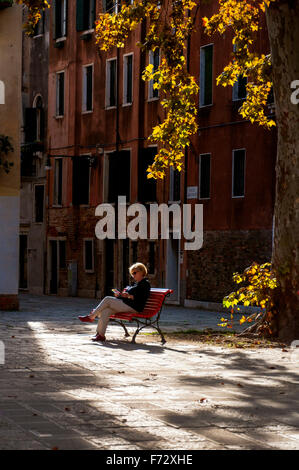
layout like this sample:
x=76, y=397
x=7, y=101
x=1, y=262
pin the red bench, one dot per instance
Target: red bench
x=148, y=317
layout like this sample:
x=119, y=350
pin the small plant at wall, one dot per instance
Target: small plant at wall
x=260, y=282
x=5, y=149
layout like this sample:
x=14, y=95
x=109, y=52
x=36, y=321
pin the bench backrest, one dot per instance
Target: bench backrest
x=155, y=301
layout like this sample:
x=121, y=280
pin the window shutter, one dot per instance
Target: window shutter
x=80, y=15
x=30, y=124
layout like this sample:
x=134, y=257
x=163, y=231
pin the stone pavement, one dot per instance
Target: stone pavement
x=58, y=390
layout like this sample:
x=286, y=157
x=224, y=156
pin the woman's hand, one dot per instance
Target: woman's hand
x=126, y=295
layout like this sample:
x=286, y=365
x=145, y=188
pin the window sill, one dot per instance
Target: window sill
x=238, y=197
x=59, y=117
x=205, y=106
x=149, y=100
x=89, y=271
x=204, y=198
x=125, y=105
x=56, y=206
x=174, y=202
x=108, y=108
x=38, y=36
x=87, y=112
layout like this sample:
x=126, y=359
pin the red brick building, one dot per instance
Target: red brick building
x=100, y=114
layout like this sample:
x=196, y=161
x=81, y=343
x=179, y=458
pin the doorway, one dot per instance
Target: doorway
x=23, y=262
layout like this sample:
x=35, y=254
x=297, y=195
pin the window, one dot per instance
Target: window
x=111, y=83
x=88, y=255
x=206, y=75
x=58, y=182
x=238, y=173
x=87, y=94
x=204, y=176
x=39, y=29
x=60, y=18
x=110, y=6
x=154, y=59
x=239, y=88
x=146, y=187
x=39, y=203
x=59, y=94
x=62, y=254
x=174, y=185
x=81, y=180
x=119, y=175
x=128, y=79
x=86, y=14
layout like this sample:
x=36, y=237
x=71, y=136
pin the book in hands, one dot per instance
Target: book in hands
x=116, y=291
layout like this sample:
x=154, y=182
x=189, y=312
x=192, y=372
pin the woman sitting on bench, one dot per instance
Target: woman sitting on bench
x=131, y=299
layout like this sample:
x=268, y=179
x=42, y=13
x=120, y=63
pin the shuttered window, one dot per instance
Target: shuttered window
x=87, y=91
x=86, y=14
x=111, y=83
x=206, y=75
x=128, y=79
x=154, y=59
x=60, y=94
x=60, y=14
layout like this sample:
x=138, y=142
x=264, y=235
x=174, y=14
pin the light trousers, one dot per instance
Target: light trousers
x=108, y=306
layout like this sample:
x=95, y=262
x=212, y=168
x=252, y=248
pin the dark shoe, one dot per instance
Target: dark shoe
x=86, y=319
x=99, y=338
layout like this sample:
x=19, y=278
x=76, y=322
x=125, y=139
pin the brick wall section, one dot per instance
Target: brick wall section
x=210, y=269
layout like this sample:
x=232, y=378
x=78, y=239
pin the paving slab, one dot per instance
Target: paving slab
x=59, y=390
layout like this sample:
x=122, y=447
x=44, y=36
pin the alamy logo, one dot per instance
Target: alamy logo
x=138, y=226
x=295, y=94
x=2, y=353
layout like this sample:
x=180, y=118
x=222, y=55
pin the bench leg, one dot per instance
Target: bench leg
x=124, y=327
x=138, y=329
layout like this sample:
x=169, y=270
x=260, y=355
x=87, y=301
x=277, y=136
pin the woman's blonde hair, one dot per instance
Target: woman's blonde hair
x=138, y=267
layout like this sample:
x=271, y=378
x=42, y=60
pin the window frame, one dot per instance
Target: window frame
x=84, y=89
x=125, y=79
x=151, y=82
x=58, y=104
x=202, y=77
x=108, y=84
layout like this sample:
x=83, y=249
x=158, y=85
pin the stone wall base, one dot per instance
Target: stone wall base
x=9, y=302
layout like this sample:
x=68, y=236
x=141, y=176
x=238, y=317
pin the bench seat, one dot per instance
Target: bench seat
x=148, y=317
